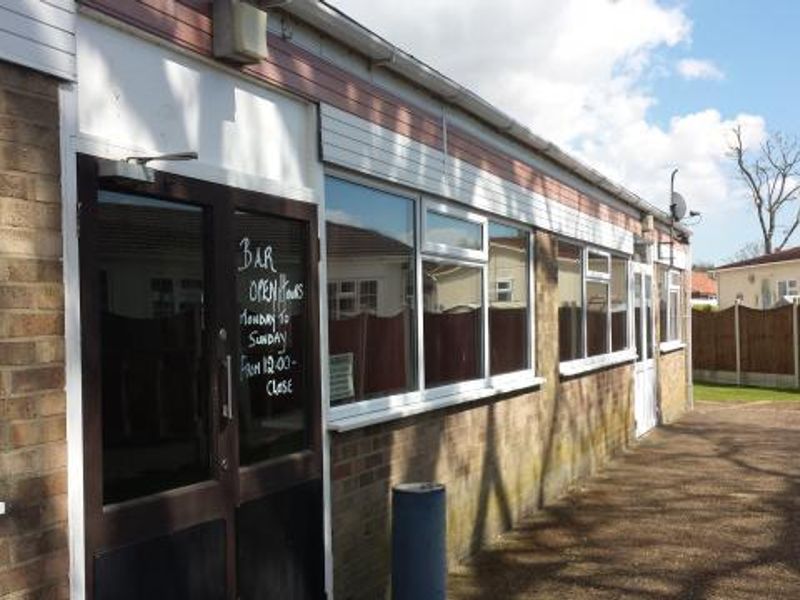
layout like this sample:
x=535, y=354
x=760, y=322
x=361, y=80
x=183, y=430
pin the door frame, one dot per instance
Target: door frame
x=645, y=370
x=162, y=513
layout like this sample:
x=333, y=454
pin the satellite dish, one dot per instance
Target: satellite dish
x=678, y=206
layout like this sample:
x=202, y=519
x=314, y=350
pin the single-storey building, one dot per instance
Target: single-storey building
x=257, y=266
x=704, y=289
x=761, y=282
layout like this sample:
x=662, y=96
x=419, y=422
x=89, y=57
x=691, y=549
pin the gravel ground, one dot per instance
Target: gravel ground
x=706, y=508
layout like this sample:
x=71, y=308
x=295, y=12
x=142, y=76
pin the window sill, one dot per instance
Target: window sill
x=584, y=365
x=666, y=347
x=392, y=413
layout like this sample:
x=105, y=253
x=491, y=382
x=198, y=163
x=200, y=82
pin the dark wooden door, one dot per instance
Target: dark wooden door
x=202, y=476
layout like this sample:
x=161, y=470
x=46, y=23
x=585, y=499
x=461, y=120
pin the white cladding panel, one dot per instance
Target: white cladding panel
x=139, y=98
x=352, y=142
x=39, y=34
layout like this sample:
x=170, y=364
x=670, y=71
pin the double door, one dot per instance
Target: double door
x=201, y=391
x=645, y=393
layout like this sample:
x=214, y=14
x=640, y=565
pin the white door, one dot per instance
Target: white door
x=645, y=405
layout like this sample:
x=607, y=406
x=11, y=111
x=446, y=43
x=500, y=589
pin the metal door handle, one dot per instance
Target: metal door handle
x=227, y=405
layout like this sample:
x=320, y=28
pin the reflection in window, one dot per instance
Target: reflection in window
x=453, y=301
x=597, y=263
x=153, y=364
x=619, y=304
x=452, y=231
x=508, y=306
x=370, y=247
x=671, y=300
x=570, y=302
x=596, y=317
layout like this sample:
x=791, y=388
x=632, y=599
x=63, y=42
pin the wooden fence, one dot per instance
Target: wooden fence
x=747, y=346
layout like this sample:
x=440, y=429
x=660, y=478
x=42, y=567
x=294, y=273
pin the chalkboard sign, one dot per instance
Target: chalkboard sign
x=271, y=293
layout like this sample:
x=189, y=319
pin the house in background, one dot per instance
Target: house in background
x=704, y=289
x=762, y=282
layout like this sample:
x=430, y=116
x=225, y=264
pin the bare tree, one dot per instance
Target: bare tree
x=773, y=180
x=749, y=250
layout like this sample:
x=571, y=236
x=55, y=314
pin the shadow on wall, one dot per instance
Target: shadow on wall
x=708, y=508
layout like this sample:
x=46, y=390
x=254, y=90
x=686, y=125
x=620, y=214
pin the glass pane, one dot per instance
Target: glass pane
x=674, y=315
x=371, y=331
x=637, y=315
x=619, y=304
x=598, y=263
x=153, y=361
x=570, y=302
x=452, y=325
x=452, y=231
x=596, y=318
x=648, y=301
x=508, y=304
x=662, y=303
x=274, y=394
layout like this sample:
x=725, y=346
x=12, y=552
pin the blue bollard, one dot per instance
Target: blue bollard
x=419, y=542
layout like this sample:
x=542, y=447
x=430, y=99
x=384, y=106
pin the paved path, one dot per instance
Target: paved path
x=705, y=508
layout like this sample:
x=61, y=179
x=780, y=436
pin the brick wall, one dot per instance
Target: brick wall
x=498, y=458
x=33, y=536
x=672, y=388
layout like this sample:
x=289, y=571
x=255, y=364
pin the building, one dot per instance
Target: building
x=762, y=282
x=215, y=366
x=704, y=289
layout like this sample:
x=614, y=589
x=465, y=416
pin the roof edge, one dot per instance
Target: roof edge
x=325, y=17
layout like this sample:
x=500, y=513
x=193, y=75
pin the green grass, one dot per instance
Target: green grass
x=712, y=392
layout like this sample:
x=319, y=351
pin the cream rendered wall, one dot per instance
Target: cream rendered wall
x=764, y=277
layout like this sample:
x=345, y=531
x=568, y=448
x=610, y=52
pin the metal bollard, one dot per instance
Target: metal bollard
x=419, y=542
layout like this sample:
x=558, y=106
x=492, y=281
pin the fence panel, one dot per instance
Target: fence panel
x=766, y=340
x=714, y=340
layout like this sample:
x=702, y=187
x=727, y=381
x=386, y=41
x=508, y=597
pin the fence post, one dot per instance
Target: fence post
x=738, y=342
x=796, y=350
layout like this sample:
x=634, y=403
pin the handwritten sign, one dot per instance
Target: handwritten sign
x=271, y=304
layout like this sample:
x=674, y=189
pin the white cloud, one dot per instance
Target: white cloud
x=694, y=68
x=579, y=73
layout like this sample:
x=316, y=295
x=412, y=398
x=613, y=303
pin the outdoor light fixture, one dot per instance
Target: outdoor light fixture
x=135, y=167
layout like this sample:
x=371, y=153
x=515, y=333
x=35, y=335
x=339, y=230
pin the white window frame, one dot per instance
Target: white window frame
x=448, y=210
x=672, y=283
x=791, y=290
x=384, y=408
x=507, y=286
x=608, y=358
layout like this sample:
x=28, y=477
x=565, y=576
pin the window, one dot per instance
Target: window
x=787, y=287
x=509, y=277
x=411, y=313
x=371, y=274
x=570, y=301
x=671, y=302
x=593, y=313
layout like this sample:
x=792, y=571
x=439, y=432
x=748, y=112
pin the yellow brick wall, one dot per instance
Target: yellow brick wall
x=672, y=386
x=33, y=535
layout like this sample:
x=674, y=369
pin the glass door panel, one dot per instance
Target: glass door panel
x=271, y=294
x=151, y=268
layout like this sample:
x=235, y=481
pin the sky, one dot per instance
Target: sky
x=634, y=88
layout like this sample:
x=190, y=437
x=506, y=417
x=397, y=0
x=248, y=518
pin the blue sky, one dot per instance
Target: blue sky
x=633, y=87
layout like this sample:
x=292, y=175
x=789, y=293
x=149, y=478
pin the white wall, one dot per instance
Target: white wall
x=39, y=34
x=139, y=98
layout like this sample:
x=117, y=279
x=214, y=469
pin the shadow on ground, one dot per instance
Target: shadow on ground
x=705, y=508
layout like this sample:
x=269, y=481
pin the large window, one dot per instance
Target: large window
x=671, y=304
x=593, y=314
x=411, y=312
x=371, y=323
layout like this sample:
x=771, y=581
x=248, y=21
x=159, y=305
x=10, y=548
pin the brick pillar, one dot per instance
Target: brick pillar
x=33, y=478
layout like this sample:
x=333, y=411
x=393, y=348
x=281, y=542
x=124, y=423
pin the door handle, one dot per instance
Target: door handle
x=227, y=402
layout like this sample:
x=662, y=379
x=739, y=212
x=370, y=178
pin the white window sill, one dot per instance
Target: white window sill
x=666, y=347
x=584, y=365
x=500, y=386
